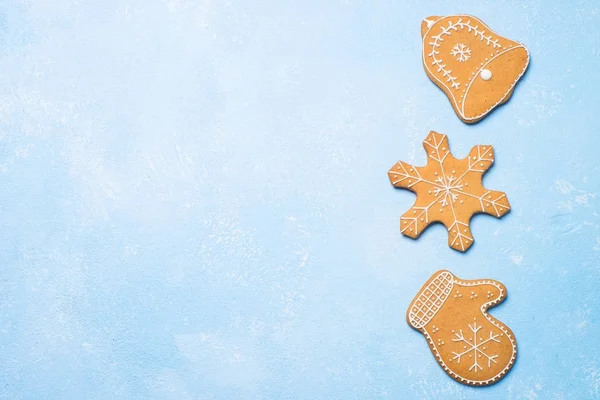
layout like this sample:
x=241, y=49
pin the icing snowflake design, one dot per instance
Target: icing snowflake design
x=448, y=191
x=475, y=348
x=446, y=31
x=461, y=52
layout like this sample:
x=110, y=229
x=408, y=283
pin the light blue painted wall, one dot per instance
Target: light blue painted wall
x=194, y=200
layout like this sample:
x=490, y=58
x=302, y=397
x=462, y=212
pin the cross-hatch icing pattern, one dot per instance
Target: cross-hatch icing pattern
x=445, y=32
x=448, y=191
x=431, y=300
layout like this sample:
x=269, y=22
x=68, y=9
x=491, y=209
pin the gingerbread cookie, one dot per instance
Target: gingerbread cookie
x=448, y=190
x=472, y=347
x=476, y=68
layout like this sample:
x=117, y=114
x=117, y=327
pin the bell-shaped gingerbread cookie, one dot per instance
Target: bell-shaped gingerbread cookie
x=472, y=347
x=476, y=68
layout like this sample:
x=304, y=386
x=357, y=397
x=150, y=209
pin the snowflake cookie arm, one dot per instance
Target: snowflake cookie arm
x=422, y=179
x=418, y=217
x=491, y=202
x=494, y=203
x=480, y=159
x=459, y=232
x=406, y=176
x=437, y=149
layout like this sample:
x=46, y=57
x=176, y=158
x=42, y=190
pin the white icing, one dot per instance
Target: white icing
x=475, y=346
x=486, y=74
x=461, y=111
x=447, y=31
x=420, y=314
x=448, y=189
x=496, y=338
x=461, y=52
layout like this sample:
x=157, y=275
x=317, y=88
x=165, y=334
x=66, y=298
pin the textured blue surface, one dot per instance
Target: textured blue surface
x=195, y=203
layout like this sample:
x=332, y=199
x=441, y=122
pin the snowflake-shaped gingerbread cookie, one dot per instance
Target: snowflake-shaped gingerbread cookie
x=470, y=345
x=448, y=190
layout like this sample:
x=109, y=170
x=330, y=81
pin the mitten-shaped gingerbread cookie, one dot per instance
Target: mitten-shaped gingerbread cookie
x=476, y=68
x=472, y=347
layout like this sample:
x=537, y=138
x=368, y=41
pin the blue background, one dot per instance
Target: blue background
x=195, y=203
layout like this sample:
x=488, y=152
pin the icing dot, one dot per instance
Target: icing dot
x=486, y=74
